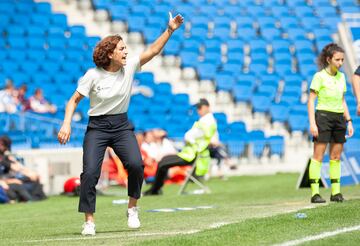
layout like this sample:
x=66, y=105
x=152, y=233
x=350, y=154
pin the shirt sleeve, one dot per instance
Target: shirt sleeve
x=133, y=65
x=316, y=82
x=357, y=71
x=84, y=84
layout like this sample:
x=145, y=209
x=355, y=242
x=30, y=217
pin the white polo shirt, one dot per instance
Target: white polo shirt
x=109, y=92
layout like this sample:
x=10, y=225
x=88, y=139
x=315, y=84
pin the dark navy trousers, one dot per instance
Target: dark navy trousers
x=113, y=131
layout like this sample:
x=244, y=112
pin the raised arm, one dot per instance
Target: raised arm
x=65, y=131
x=156, y=47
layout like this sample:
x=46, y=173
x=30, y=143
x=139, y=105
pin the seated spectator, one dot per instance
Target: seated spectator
x=150, y=164
x=8, y=100
x=16, y=174
x=23, y=102
x=195, y=151
x=39, y=104
x=164, y=145
x=148, y=144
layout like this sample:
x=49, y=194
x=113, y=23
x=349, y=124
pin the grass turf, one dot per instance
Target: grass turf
x=258, y=210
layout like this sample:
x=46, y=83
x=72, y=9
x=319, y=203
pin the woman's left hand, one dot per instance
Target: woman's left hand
x=176, y=22
x=350, y=129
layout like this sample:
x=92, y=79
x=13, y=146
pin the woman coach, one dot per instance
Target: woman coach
x=109, y=88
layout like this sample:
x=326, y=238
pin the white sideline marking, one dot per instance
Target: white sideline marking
x=113, y=236
x=218, y=225
x=320, y=236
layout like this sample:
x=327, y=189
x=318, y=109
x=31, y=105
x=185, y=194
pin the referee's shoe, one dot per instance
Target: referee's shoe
x=337, y=198
x=317, y=199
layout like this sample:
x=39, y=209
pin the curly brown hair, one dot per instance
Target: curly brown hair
x=102, y=50
x=327, y=52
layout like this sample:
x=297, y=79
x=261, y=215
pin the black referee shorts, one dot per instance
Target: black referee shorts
x=331, y=127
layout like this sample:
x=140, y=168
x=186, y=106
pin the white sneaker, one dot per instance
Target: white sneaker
x=88, y=229
x=133, y=217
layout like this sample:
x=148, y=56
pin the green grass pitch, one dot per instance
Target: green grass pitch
x=251, y=210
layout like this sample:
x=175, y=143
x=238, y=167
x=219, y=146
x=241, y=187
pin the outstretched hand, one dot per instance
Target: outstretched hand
x=176, y=22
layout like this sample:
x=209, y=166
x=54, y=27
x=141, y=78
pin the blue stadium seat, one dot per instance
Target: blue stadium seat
x=17, y=55
x=221, y=118
x=298, y=123
x=151, y=33
x=237, y=128
x=277, y=145
x=244, y=22
x=15, y=30
x=16, y=43
x=136, y=23
x=296, y=3
x=163, y=88
x=246, y=33
x=43, y=8
x=199, y=32
x=270, y=33
x=36, y=43
x=236, y=148
x=57, y=55
x=222, y=21
x=59, y=20
x=258, y=45
x=187, y=10
x=76, y=42
x=266, y=22
x=212, y=57
x=235, y=44
x=303, y=11
x=158, y=21
x=242, y=93
x=281, y=45
x=35, y=54
x=40, y=20
x=188, y=59
x=271, y=90
x=224, y=82
x=249, y=79
x=310, y=22
x=141, y=9
x=279, y=10
x=296, y=34
x=206, y=70
x=221, y=32
x=259, y=67
x=119, y=12
x=258, y=142
x=233, y=69
x=261, y=102
x=212, y=45
x=269, y=79
x=172, y=47
x=235, y=60
x=279, y=112
x=209, y=9
x=256, y=11
x=289, y=22
x=24, y=7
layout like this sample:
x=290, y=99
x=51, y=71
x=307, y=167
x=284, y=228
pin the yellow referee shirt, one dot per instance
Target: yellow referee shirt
x=330, y=91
